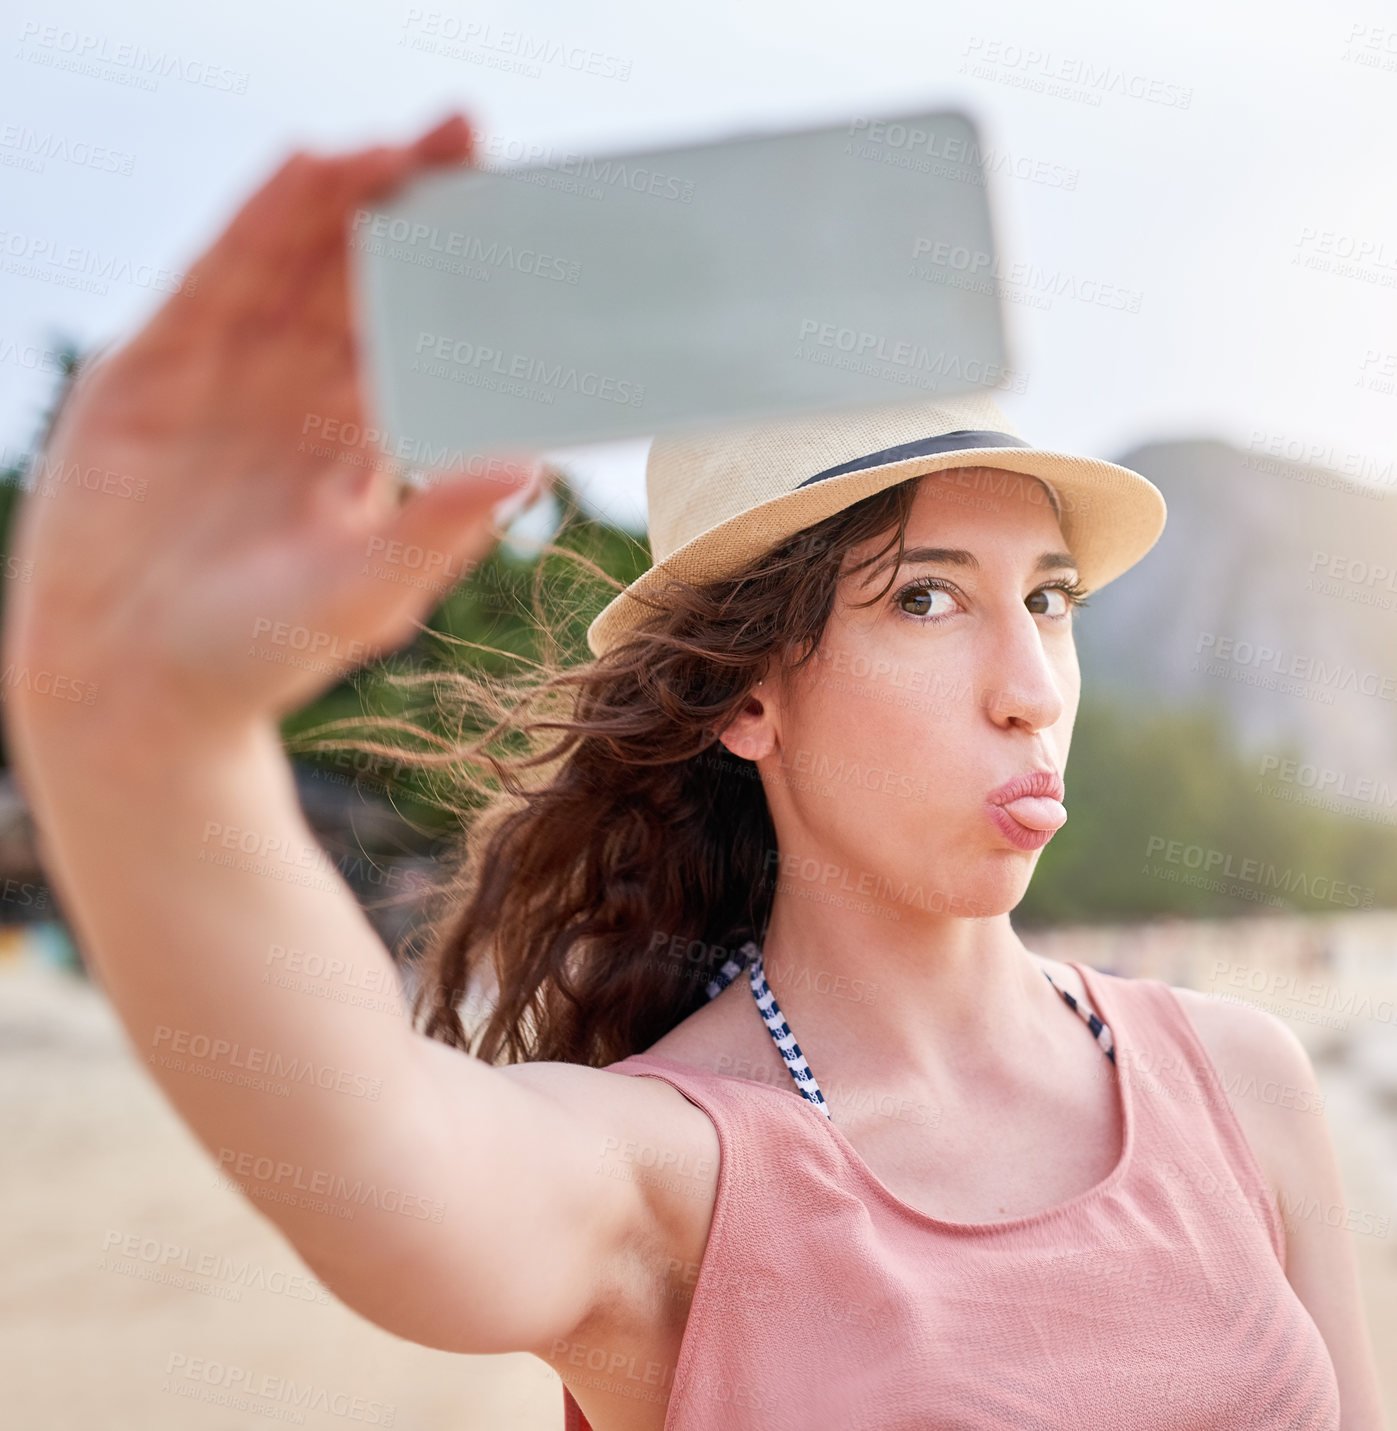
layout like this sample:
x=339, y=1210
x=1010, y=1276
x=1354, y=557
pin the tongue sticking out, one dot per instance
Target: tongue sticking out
x=1038, y=812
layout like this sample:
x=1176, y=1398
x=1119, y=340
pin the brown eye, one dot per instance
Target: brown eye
x=1049, y=601
x=919, y=601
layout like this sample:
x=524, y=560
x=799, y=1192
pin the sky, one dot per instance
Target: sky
x=1223, y=170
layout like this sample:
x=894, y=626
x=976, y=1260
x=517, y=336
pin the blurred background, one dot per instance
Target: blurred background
x=1199, y=276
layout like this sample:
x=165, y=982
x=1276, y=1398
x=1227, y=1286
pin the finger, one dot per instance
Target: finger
x=305, y=200
x=299, y=215
x=450, y=144
x=451, y=139
x=454, y=517
x=363, y=179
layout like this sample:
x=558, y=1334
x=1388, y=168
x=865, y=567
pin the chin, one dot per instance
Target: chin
x=997, y=889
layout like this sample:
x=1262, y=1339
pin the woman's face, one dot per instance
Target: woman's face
x=879, y=755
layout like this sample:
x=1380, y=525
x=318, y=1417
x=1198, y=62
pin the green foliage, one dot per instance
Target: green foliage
x=493, y=608
x=12, y=478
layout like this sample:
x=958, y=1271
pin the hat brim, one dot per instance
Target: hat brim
x=1110, y=517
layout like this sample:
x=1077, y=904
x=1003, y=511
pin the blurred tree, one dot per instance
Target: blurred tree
x=12, y=477
x=492, y=608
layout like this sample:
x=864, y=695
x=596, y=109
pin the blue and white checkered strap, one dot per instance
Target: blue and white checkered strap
x=751, y=956
x=785, y=1040
x=1097, y=1025
x=732, y=968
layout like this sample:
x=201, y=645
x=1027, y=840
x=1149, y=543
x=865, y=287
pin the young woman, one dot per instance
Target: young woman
x=798, y=792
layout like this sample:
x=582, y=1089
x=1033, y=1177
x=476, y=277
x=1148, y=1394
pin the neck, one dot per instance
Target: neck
x=873, y=1000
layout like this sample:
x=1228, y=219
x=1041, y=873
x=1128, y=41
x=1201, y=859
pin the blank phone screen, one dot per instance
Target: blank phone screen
x=605, y=296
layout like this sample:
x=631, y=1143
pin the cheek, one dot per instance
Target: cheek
x=879, y=664
x=884, y=759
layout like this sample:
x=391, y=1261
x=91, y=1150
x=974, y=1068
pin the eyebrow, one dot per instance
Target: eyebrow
x=957, y=556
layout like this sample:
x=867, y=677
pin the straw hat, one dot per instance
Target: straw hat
x=718, y=498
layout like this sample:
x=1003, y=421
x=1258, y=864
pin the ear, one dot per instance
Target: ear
x=751, y=734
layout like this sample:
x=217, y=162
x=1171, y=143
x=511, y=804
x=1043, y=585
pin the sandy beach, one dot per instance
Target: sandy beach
x=141, y=1293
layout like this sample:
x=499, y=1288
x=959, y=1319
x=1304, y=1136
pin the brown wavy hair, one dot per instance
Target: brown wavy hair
x=611, y=853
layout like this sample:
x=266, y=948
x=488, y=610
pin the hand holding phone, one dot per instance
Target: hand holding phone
x=239, y=559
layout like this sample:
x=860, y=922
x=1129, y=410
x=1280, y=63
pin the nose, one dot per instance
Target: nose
x=1022, y=678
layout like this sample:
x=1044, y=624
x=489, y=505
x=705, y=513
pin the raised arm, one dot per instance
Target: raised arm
x=221, y=583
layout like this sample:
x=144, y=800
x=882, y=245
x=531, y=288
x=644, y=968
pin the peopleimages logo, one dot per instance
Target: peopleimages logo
x=877, y=138
x=1341, y=461
x=836, y=770
x=1258, y=874
x=419, y=240
x=1324, y=780
x=181, y=1049
x=827, y=875
x=1256, y=655
x=227, y=1383
x=1066, y=76
x=946, y=259
x=125, y=1252
x=102, y=57
x=285, y=1179
x=909, y=362
x=30, y=149
x=516, y=51
x=519, y=367
x=69, y=265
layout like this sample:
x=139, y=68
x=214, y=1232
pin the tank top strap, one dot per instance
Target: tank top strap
x=765, y=1131
x=742, y=1104
x=783, y=1184
x=1199, y=1150
x=573, y=1417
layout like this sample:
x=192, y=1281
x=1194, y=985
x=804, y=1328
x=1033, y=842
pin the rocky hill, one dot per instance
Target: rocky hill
x=1273, y=591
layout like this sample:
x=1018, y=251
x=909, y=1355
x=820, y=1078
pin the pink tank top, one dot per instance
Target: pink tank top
x=1157, y=1298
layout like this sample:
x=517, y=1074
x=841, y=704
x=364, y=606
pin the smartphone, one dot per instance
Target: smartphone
x=604, y=296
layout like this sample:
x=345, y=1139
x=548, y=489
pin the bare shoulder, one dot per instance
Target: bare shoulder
x=634, y=1119
x=646, y=1131
x=1268, y=1077
x=650, y=1111
x=1246, y=1038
